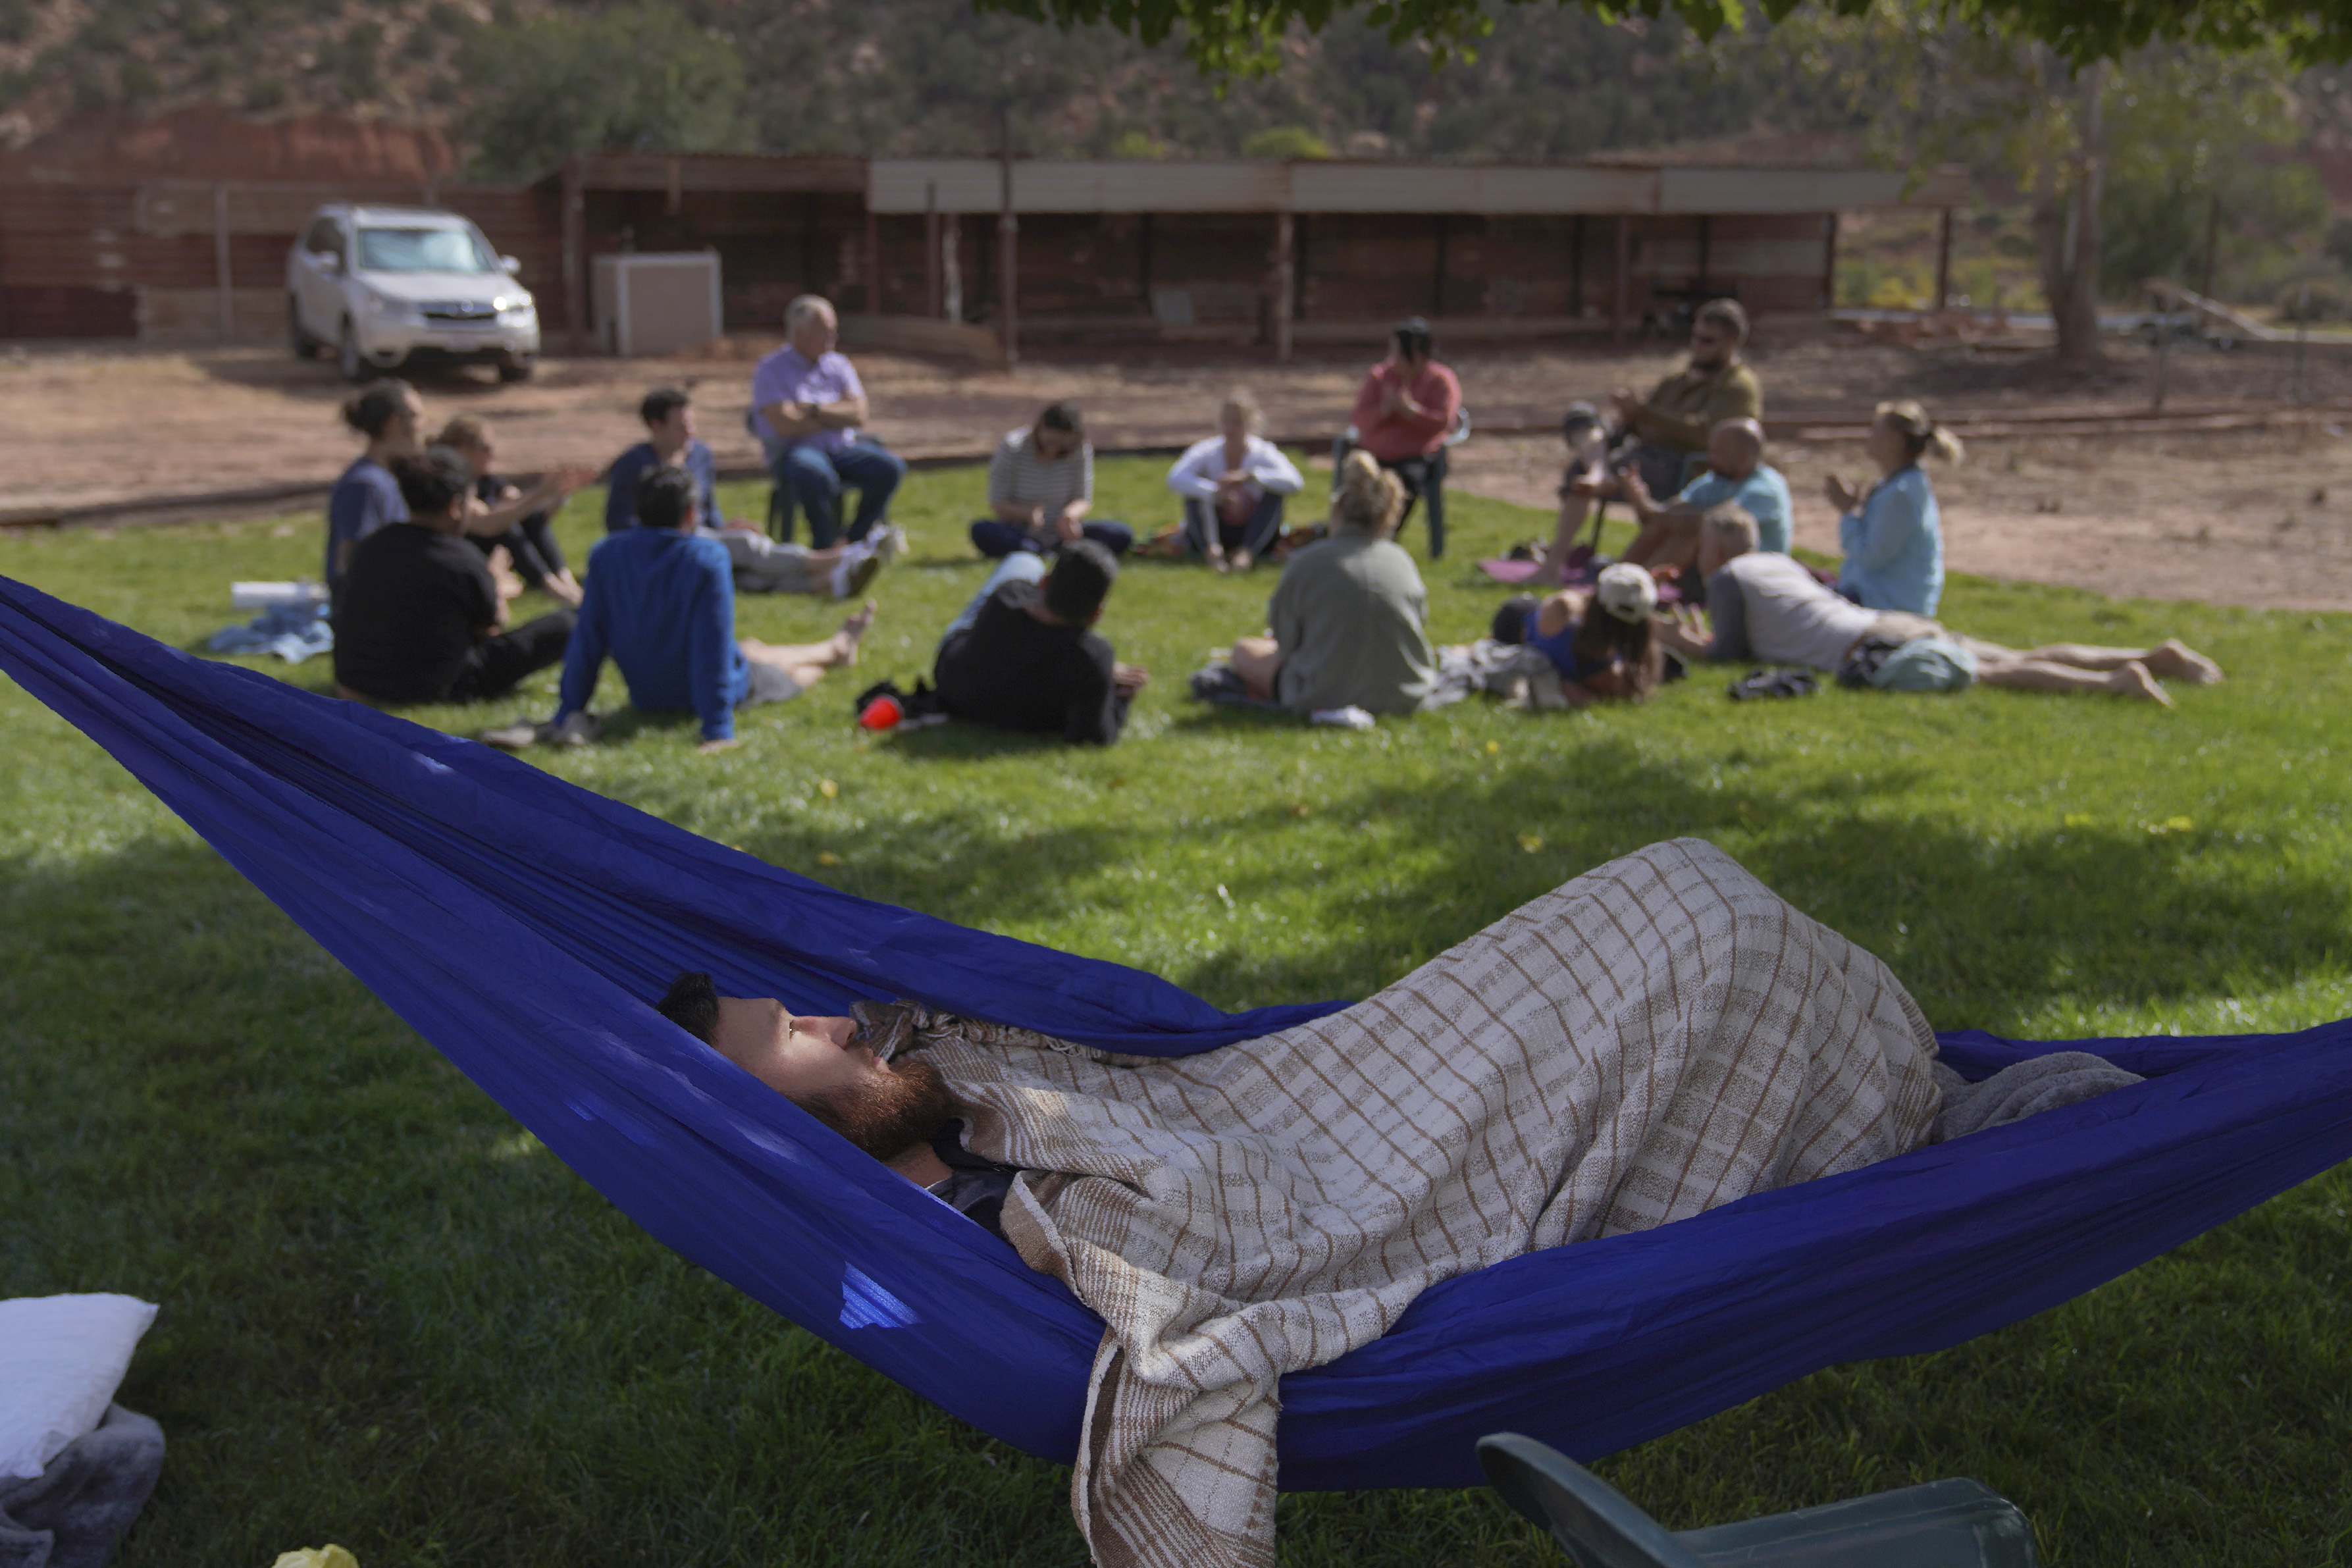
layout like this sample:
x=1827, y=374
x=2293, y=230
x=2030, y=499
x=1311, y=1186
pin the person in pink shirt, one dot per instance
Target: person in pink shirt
x=1403, y=413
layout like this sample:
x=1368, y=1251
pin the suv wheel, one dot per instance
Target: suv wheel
x=516, y=367
x=348, y=358
x=305, y=346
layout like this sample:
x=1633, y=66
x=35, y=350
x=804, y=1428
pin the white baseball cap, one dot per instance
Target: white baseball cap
x=1627, y=592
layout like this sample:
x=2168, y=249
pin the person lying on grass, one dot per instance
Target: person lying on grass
x=1658, y=1037
x=1025, y=656
x=661, y=601
x=1769, y=608
x=1600, y=640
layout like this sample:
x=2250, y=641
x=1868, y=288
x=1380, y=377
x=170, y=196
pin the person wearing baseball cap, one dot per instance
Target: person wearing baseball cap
x=1601, y=640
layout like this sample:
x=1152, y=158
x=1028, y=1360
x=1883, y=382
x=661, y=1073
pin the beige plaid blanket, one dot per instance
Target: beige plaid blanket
x=1660, y=1035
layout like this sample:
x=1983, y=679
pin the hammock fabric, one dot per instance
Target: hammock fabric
x=517, y=923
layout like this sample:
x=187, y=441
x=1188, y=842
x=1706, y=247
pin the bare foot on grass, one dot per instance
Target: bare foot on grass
x=853, y=632
x=2173, y=659
x=2133, y=680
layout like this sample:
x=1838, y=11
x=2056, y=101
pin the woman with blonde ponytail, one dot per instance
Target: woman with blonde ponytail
x=1892, y=535
x=1350, y=614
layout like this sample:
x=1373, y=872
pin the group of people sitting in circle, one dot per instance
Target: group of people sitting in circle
x=426, y=548
x=1707, y=576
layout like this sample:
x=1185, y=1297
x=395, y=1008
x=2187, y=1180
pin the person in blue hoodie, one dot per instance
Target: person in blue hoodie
x=1892, y=535
x=661, y=600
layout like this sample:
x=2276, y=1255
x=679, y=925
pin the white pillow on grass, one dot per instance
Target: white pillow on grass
x=61, y=1358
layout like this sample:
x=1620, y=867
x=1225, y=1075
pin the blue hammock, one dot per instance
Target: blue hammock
x=517, y=923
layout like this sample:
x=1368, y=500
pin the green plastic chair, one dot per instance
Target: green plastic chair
x=1943, y=1524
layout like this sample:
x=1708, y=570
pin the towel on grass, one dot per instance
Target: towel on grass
x=71, y=1515
x=292, y=632
x=1660, y=1035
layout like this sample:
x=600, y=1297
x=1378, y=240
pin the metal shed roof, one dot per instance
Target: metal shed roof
x=1049, y=185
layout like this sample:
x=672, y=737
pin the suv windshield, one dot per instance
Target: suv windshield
x=423, y=250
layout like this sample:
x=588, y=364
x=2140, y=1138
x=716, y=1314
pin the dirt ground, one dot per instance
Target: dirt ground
x=2259, y=516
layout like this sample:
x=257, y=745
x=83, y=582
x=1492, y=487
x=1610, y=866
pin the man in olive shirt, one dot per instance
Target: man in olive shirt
x=1671, y=425
x=1663, y=438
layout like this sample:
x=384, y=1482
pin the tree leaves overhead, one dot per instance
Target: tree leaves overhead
x=1244, y=37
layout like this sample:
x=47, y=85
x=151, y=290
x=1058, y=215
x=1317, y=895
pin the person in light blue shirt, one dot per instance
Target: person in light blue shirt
x=1892, y=535
x=1736, y=472
x=661, y=600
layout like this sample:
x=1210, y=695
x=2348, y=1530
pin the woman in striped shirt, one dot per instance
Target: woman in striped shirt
x=1041, y=486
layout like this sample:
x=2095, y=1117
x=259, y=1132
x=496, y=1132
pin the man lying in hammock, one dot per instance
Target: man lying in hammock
x=1658, y=1037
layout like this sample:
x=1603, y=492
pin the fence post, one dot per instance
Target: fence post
x=931, y=249
x=1286, y=283
x=2302, y=335
x=951, y=266
x=1624, y=280
x=1944, y=263
x=223, y=278
x=576, y=227
x=1008, y=246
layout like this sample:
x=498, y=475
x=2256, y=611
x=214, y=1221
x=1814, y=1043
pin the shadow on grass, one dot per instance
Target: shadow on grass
x=1982, y=928
x=385, y=1310
x=959, y=740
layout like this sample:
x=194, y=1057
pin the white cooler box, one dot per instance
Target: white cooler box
x=657, y=303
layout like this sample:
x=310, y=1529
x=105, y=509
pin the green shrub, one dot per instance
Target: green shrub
x=1285, y=142
x=2315, y=300
x=643, y=76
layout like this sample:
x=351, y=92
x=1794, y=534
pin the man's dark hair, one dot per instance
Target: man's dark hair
x=432, y=480
x=1414, y=337
x=661, y=403
x=666, y=498
x=1511, y=619
x=1727, y=314
x=375, y=406
x=692, y=1004
x=1080, y=581
x=1062, y=417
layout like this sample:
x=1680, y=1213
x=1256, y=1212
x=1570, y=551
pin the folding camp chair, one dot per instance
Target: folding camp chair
x=1943, y=1524
x=1431, y=497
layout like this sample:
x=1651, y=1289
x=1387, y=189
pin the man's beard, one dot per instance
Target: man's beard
x=890, y=1113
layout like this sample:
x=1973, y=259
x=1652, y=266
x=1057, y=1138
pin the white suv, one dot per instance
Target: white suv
x=382, y=285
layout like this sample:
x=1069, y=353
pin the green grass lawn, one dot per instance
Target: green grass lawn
x=390, y=1319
